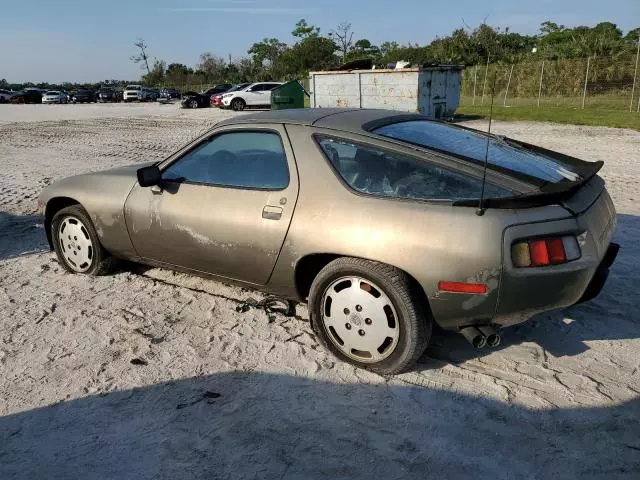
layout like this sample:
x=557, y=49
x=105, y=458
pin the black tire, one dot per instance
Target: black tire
x=193, y=104
x=414, y=317
x=238, y=104
x=101, y=261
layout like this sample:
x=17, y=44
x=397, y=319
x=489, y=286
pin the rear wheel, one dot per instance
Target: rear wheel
x=193, y=104
x=238, y=104
x=370, y=315
x=76, y=243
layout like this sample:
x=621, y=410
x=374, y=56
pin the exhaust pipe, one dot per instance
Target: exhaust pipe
x=474, y=336
x=492, y=334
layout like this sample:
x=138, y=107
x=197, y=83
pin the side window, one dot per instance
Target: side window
x=258, y=88
x=374, y=171
x=238, y=159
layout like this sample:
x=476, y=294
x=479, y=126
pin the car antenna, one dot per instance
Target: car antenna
x=481, y=209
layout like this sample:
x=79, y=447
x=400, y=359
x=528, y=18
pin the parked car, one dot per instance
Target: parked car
x=255, y=95
x=131, y=93
x=195, y=100
x=106, y=94
x=371, y=216
x=27, y=96
x=224, y=87
x=169, y=93
x=82, y=95
x=216, y=100
x=54, y=96
x=5, y=96
x=148, y=95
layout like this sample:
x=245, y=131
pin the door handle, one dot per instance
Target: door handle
x=271, y=213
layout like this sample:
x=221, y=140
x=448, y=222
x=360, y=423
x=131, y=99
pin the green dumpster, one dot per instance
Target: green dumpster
x=289, y=95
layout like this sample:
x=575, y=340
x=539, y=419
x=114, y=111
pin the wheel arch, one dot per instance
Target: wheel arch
x=309, y=266
x=54, y=205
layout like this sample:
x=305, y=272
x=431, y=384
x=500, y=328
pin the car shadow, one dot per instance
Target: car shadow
x=613, y=315
x=20, y=235
x=251, y=425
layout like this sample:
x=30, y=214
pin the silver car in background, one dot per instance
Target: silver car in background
x=54, y=96
x=5, y=96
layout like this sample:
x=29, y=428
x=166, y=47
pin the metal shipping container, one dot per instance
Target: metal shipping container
x=432, y=91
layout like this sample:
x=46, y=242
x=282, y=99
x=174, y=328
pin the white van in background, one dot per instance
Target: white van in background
x=132, y=93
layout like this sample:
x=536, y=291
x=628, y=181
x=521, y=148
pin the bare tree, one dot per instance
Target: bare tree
x=343, y=36
x=143, y=56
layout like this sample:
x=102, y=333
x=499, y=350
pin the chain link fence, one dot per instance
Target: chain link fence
x=594, y=82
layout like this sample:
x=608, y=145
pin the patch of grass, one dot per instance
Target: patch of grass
x=601, y=110
x=594, y=117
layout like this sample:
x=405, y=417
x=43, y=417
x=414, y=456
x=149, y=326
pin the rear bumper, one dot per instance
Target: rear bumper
x=602, y=273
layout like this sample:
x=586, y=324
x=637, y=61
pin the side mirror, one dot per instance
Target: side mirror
x=149, y=176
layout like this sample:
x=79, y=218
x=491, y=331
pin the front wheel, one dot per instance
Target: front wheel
x=370, y=315
x=238, y=104
x=76, y=243
x=193, y=104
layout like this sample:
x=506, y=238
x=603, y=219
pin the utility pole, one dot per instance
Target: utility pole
x=540, y=89
x=586, y=81
x=484, y=84
x=635, y=72
x=475, y=78
x=504, y=103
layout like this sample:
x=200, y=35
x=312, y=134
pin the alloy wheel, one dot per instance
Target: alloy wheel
x=360, y=319
x=75, y=244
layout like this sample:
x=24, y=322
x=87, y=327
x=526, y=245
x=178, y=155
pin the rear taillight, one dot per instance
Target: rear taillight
x=541, y=252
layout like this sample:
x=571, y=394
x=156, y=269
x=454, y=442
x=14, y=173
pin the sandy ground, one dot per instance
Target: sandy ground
x=149, y=374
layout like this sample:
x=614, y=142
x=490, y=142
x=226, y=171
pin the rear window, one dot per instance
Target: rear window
x=470, y=144
x=374, y=171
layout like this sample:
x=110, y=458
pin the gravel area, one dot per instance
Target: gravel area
x=151, y=374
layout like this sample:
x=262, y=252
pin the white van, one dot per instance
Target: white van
x=132, y=93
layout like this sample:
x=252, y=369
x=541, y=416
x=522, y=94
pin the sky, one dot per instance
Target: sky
x=88, y=41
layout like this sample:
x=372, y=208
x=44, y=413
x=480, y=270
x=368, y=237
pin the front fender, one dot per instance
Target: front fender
x=102, y=195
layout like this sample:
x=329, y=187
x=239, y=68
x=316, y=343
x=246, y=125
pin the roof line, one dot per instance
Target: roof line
x=334, y=113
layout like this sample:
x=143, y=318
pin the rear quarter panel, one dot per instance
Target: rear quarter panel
x=430, y=241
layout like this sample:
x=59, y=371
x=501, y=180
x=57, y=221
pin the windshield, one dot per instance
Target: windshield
x=51, y=92
x=470, y=144
x=238, y=87
x=134, y=87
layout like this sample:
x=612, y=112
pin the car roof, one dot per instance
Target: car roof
x=346, y=119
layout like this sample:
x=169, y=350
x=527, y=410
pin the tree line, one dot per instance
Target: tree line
x=273, y=59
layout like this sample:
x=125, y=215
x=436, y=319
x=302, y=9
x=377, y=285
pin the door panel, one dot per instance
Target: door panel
x=231, y=232
x=249, y=97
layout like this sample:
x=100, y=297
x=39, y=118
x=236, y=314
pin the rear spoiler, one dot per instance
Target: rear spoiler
x=549, y=194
